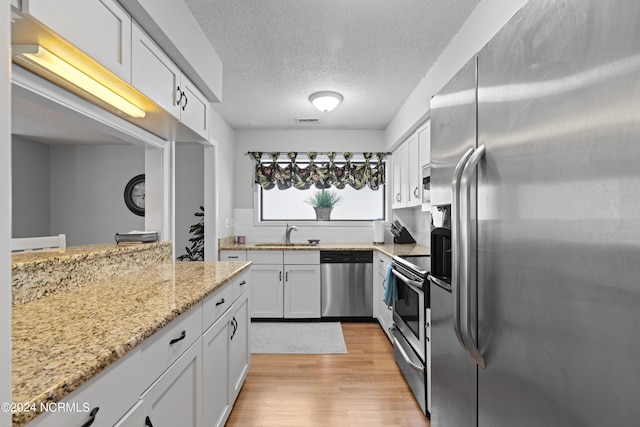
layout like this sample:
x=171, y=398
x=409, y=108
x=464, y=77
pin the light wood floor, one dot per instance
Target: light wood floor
x=361, y=388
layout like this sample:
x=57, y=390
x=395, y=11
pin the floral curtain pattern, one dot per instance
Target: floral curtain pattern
x=272, y=174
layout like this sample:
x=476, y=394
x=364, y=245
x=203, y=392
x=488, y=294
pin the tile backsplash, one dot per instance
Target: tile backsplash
x=412, y=219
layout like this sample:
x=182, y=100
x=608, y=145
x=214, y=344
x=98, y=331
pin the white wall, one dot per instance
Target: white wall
x=189, y=187
x=226, y=150
x=5, y=216
x=485, y=21
x=87, y=191
x=31, y=211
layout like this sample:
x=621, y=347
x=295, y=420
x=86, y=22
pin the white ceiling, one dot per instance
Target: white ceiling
x=276, y=53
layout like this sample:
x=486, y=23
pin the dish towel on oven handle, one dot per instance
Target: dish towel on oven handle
x=391, y=290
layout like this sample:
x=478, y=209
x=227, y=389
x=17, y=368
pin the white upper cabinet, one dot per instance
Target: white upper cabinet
x=100, y=28
x=414, y=195
x=424, y=140
x=156, y=76
x=194, y=109
x=400, y=160
x=408, y=160
x=153, y=73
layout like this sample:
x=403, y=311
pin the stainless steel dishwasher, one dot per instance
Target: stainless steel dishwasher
x=347, y=283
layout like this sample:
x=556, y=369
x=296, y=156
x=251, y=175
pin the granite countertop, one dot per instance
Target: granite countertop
x=21, y=260
x=63, y=340
x=389, y=249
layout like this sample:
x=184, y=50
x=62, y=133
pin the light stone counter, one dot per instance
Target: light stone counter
x=63, y=340
x=41, y=273
x=389, y=249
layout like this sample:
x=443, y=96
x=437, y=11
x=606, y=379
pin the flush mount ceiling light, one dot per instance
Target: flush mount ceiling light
x=326, y=101
x=36, y=56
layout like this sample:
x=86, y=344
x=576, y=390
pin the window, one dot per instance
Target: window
x=284, y=186
x=291, y=204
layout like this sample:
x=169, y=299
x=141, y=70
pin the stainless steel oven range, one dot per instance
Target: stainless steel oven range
x=410, y=331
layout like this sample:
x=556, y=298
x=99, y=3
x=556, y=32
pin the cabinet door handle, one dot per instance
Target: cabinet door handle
x=147, y=422
x=286, y=276
x=92, y=417
x=220, y=302
x=398, y=197
x=184, y=95
x=234, y=325
x=244, y=282
x=233, y=257
x=280, y=276
x=182, y=336
x=415, y=192
x=179, y=96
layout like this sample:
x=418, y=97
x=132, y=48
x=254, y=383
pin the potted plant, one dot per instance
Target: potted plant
x=323, y=202
x=196, y=252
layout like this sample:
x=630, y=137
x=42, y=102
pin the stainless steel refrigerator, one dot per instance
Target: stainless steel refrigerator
x=535, y=188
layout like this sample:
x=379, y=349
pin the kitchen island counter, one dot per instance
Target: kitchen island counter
x=63, y=340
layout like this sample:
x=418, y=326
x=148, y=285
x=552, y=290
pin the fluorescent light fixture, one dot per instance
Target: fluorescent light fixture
x=33, y=55
x=325, y=101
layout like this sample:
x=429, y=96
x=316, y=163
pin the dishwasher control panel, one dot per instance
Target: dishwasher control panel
x=356, y=257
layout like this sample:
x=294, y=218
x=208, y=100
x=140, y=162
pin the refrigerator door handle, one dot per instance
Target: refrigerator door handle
x=465, y=246
x=455, y=242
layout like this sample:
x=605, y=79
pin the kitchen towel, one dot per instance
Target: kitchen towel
x=391, y=290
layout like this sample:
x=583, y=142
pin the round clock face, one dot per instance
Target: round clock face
x=134, y=195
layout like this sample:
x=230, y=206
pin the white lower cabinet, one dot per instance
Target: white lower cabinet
x=302, y=291
x=383, y=313
x=215, y=372
x=286, y=284
x=225, y=363
x=239, y=345
x=268, y=289
x=179, y=377
x=175, y=398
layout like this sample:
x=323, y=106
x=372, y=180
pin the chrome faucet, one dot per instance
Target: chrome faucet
x=291, y=228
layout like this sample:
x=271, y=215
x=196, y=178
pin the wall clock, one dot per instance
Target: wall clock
x=134, y=195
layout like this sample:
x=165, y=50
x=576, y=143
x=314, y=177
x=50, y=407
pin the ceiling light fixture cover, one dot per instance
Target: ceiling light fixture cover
x=39, y=57
x=326, y=101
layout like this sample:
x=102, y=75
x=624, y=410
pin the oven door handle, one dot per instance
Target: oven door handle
x=405, y=356
x=411, y=283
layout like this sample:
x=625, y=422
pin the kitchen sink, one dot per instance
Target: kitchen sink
x=285, y=244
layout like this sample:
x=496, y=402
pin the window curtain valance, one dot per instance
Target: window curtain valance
x=272, y=174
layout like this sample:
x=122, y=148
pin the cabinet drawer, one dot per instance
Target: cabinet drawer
x=383, y=263
x=216, y=304
x=166, y=346
x=265, y=257
x=302, y=257
x=241, y=284
x=233, y=255
x=112, y=391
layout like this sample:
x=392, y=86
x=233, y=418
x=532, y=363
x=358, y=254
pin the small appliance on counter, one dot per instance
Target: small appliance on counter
x=378, y=232
x=400, y=234
x=136, y=236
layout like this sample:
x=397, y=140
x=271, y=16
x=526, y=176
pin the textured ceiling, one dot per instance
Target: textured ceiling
x=276, y=53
